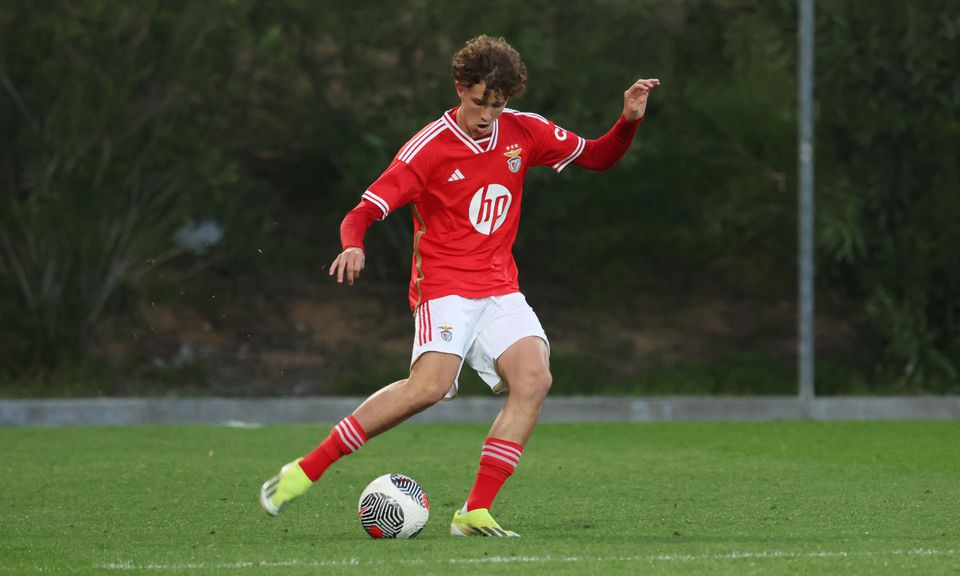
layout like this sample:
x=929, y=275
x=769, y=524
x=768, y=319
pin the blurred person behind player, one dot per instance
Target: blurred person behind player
x=464, y=175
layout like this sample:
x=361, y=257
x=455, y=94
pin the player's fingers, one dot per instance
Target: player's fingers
x=342, y=269
x=637, y=89
x=333, y=266
x=637, y=94
x=355, y=265
x=351, y=273
x=646, y=83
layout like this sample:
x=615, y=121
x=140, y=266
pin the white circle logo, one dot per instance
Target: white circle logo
x=489, y=207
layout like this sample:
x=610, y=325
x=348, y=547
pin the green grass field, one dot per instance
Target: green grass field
x=679, y=498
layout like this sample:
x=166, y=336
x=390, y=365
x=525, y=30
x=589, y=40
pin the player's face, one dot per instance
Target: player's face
x=478, y=109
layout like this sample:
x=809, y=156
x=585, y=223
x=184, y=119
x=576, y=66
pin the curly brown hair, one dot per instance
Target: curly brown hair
x=492, y=61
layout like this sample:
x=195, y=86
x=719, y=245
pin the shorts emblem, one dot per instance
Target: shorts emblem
x=446, y=332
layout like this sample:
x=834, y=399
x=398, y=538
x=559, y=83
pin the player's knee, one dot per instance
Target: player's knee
x=438, y=391
x=534, y=385
x=428, y=391
x=544, y=382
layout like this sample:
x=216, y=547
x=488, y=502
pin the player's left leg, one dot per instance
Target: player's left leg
x=434, y=366
x=525, y=366
x=430, y=378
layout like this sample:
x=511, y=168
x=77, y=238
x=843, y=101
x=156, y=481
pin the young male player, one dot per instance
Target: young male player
x=464, y=175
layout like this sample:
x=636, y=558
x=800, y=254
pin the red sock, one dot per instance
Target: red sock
x=498, y=460
x=346, y=438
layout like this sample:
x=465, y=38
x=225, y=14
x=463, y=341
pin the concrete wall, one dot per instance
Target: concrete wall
x=124, y=411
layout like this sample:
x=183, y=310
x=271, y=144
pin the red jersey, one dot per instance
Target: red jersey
x=466, y=197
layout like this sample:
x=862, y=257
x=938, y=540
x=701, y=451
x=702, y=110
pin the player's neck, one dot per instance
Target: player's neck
x=459, y=118
x=463, y=126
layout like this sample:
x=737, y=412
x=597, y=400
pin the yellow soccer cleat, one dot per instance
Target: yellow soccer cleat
x=477, y=522
x=290, y=483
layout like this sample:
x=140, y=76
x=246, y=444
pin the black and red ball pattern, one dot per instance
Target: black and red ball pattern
x=381, y=515
x=410, y=487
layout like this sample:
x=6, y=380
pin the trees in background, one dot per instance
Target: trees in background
x=117, y=125
x=122, y=124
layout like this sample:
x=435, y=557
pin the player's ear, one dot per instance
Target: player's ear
x=460, y=88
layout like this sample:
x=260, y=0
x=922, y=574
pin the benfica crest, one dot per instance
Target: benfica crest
x=513, y=157
x=446, y=332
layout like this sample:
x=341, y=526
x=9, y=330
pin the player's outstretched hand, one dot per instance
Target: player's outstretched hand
x=635, y=98
x=348, y=264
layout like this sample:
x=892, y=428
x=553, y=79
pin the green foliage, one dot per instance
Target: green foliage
x=581, y=373
x=729, y=375
x=114, y=138
x=366, y=371
x=889, y=140
x=120, y=123
x=79, y=378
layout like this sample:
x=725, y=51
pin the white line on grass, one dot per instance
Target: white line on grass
x=736, y=555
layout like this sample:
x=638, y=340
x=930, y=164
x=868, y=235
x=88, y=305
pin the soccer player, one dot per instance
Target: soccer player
x=464, y=175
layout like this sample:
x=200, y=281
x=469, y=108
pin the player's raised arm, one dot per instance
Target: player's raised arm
x=604, y=152
x=635, y=98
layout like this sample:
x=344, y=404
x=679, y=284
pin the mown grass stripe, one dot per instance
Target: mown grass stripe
x=733, y=555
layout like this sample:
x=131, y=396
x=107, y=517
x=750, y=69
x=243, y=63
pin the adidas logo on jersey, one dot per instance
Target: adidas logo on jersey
x=457, y=175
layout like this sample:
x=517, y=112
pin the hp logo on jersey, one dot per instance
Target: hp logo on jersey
x=489, y=207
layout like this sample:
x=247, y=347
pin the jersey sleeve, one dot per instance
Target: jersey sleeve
x=555, y=146
x=399, y=184
x=604, y=152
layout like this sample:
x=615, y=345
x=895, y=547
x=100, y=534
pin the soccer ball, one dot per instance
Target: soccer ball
x=393, y=506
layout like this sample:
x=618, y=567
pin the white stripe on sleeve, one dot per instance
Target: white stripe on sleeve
x=421, y=142
x=378, y=202
x=573, y=155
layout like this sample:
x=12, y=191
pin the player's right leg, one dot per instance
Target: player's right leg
x=478, y=522
x=430, y=378
x=525, y=367
x=289, y=483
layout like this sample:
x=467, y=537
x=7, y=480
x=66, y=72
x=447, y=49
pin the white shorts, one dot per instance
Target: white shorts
x=476, y=330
